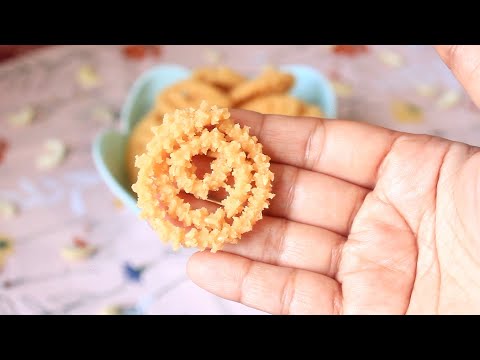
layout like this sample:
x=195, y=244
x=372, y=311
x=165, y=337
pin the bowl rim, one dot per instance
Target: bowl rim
x=111, y=181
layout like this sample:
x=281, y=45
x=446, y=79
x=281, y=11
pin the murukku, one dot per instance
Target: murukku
x=190, y=93
x=278, y=104
x=311, y=110
x=221, y=77
x=270, y=81
x=166, y=170
x=138, y=140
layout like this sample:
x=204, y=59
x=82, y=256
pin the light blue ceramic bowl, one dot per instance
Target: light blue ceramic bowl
x=109, y=147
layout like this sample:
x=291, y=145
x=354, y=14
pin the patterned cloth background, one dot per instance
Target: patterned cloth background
x=67, y=246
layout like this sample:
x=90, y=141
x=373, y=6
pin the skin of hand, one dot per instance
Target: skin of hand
x=365, y=221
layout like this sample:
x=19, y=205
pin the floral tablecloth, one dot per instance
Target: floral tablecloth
x=67, y=94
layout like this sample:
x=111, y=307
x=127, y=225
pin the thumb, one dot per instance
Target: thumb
x=464, y=61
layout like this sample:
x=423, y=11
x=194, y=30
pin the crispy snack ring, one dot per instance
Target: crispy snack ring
x=166, y=170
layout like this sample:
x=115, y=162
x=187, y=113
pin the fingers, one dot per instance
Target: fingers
x=464, y=61
x=269, y=288
x=286, y=243
x=314, y=198
x=346, y=150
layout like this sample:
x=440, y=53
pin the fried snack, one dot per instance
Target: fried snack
x=190, y=93
x=312, y=110
x=279, y=104
x=221, y=77
x=138, y=140
x=166, y=169
x=271, y=81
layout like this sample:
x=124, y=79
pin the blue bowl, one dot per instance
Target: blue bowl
x=109, y=147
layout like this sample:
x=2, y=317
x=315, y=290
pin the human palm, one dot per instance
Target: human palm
x=366, y=220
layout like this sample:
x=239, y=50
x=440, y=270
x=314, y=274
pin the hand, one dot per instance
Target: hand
x=365, y=220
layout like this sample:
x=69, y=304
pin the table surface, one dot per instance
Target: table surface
x=70, y=201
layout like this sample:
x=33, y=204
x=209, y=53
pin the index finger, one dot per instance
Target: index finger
x=347, y=150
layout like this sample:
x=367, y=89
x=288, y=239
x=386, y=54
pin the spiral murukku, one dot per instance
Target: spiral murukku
x=166, y=170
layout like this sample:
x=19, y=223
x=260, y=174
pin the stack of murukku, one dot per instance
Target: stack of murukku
x=221, y=86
